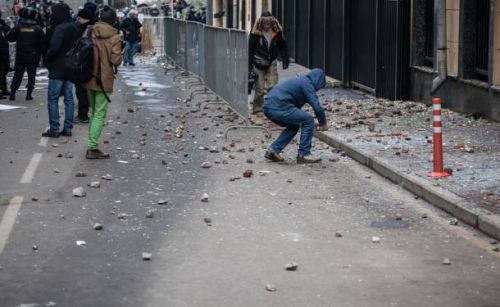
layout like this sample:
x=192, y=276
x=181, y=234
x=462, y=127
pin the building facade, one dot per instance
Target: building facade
x=389, y=47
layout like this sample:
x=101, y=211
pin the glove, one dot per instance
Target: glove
x=285, y=65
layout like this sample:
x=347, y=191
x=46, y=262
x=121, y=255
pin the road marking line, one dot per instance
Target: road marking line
x=43, y=142
x=9, y=217
x=29, y=173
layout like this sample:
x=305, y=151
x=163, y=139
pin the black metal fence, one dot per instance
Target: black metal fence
x=218, y=56
x=482, y=39
x=364, y=43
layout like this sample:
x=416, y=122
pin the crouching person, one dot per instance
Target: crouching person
x=107, y=56
x=283, y=105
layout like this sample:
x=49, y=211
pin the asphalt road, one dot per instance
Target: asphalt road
x=283, y=213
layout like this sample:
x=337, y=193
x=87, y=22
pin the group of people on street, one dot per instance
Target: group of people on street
x=282, y=103
x=51, y=47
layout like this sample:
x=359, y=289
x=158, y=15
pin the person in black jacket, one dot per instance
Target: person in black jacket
x=4, y=57
x=86, y=17
x=266, y=42
x=131, y=28
x=64, y=33
x=30, y=46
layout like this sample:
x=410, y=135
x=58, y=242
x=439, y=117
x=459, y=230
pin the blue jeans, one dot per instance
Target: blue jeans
x=130, y=50
x=56, y=89
x=293, y=119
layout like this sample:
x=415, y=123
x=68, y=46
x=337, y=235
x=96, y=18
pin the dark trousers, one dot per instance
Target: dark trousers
x=4, y=70
x=19, y=73
x=83, y=101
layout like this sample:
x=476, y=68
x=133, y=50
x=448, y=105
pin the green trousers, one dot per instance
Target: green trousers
x=98, y=108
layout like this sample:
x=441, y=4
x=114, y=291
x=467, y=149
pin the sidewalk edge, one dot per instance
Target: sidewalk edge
x=453, y=204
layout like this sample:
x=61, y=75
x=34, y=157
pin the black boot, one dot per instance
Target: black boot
x=28, y=94
x=12, y=96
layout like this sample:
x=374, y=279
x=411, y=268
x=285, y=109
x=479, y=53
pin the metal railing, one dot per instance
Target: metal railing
x=218, y=56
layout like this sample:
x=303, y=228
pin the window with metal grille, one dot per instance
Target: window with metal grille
x=429, y=33
x=482, y=39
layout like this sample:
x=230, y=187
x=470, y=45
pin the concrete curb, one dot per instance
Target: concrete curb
x=460, y=208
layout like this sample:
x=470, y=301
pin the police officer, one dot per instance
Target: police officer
x=30, y=47
x=4, y=57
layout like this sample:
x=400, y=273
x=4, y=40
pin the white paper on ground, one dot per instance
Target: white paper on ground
x=6, y=107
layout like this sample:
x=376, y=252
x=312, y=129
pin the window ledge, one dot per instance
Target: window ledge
x=495, y=88
x=424, y=69
x=476, y=83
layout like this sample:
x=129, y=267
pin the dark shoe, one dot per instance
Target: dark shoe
x=78, y=120
x=131, y=64
x=66, y=133
x=274, y=157
x=96, y=154
x=12, y=96
x=308, y=159
x=50, y=134
x=29, y=97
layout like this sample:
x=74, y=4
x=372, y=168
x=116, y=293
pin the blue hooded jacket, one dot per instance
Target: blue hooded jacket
x=297, y=92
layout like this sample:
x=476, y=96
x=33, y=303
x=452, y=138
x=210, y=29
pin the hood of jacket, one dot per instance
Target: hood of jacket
x=317, y=78
x=104, y=30
x=60, y=13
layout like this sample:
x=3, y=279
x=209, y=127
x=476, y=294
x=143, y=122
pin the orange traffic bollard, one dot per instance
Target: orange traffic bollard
x=437, y=140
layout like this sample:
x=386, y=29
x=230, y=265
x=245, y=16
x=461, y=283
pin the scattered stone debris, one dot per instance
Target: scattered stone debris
x=248, y=173
x=95, y=184
x=454, y=222
x=79, y=192
x=204, y=198
x=493, y=242
x=234, y=178
x=68, y=155
x=375, y=240
x=496, y=249
x=468, y=149
x=135, y=156
x=271, y=288
x=398, y=217
x=80, y=174
x=289, y=180
x=150, y=213
x=446, y=261
x=424, y=215
x=291, y=266
x=206, y=164
x=163, y=202
x=250, y=161
x=107, y=177
x=146, y=256
x=334, y=159
x=208, y=221
x=34, y=198
x=56, y=171
x=123, y=216
x=98, y=226
x=81, y=243
x=34, y=247
x=264, y=173
x=338, y=234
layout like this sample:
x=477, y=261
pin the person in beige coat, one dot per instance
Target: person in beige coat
x=107, y=56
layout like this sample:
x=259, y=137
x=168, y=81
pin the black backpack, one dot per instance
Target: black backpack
x=79, y=60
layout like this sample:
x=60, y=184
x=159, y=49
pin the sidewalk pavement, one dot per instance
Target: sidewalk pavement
x=394, y=138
